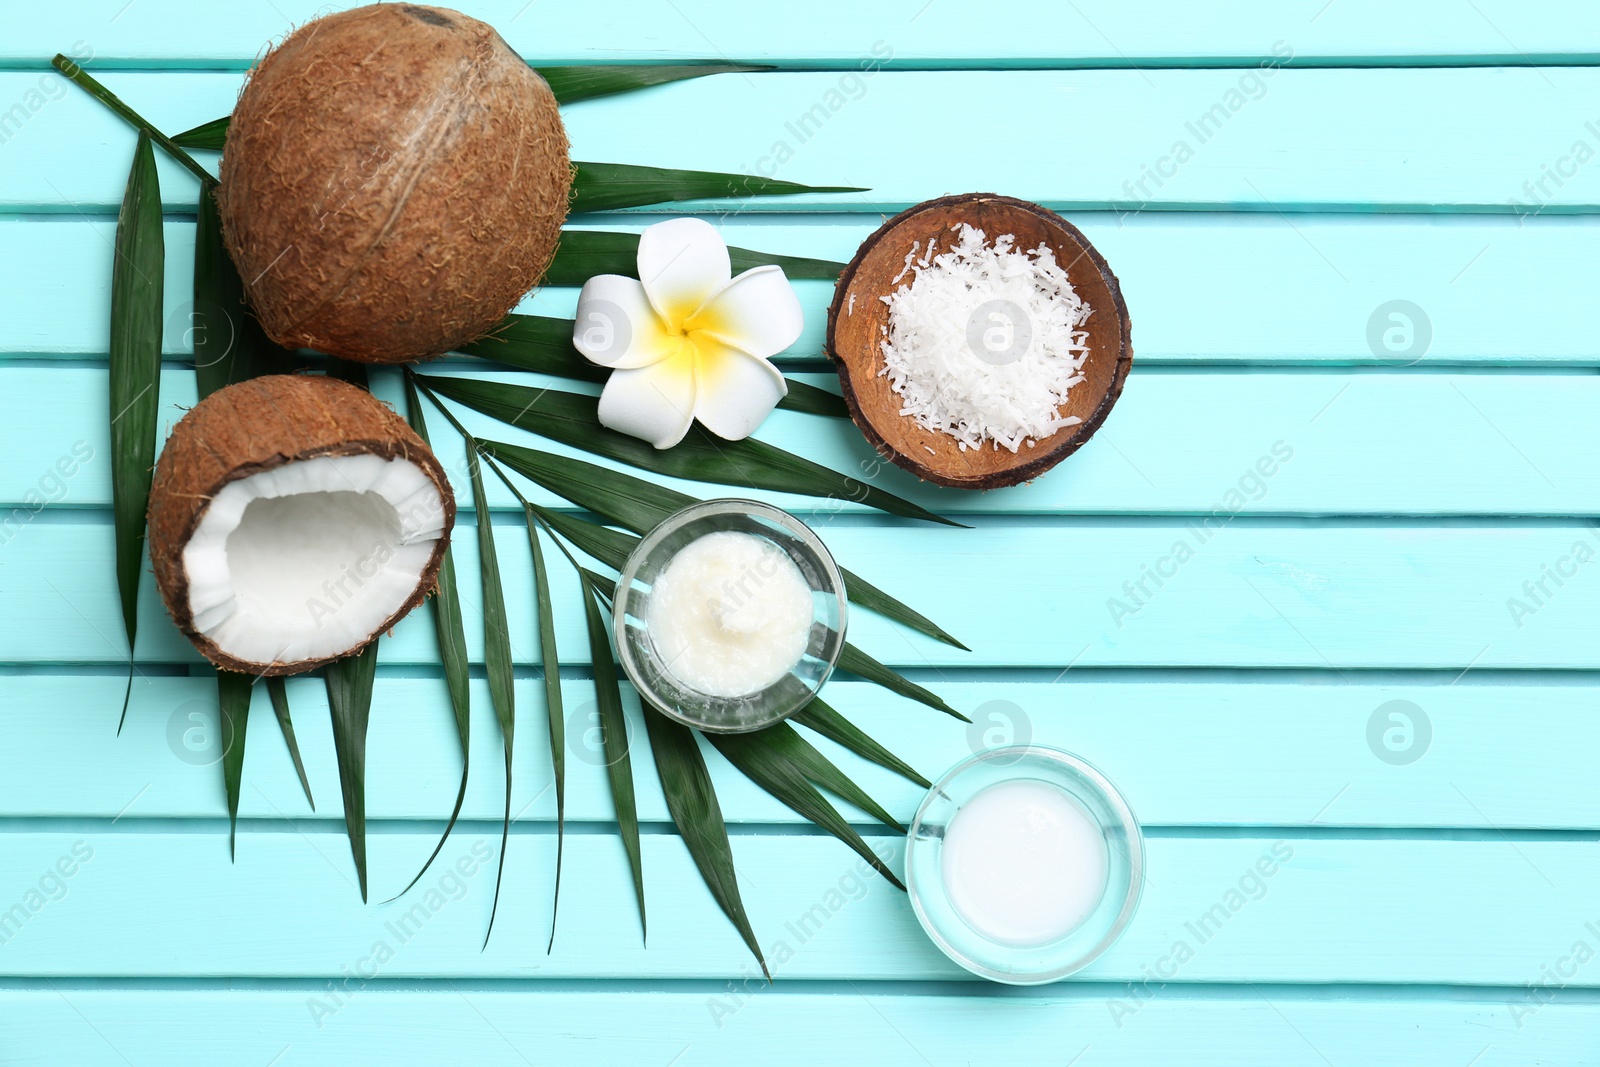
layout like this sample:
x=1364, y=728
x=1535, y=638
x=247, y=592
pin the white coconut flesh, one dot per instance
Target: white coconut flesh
x=308, y=560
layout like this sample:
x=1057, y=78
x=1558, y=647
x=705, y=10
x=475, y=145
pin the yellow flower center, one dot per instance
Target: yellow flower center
x=696, y=353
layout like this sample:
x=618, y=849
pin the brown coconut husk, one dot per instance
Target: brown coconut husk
x=255, y=426
x=858, y=319
x=393, y=182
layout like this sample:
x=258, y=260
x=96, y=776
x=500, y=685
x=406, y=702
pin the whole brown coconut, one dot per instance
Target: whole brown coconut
x=293, y=518
x=393, y=181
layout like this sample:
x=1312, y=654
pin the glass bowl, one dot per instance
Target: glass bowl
x=643, y=662
x=1033, y=963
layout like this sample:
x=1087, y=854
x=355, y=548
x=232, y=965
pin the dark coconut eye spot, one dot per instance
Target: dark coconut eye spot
x=432, y=18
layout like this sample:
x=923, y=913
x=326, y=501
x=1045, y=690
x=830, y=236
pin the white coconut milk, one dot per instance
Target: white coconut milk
x=730, y=614
x=1024, y=863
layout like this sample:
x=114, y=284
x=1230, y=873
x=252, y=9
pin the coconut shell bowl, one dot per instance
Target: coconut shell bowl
x=858, y=317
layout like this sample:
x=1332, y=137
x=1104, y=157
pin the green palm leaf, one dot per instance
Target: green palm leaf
x=83, y=80
x=572, y=419
x=279, y=693
x=497, y=650
x=497, y=659
x=810, y=400
x=348, y=370
x=538, y=343
x=551, y=660
x=858, y=662
x=614, y=734
x=229, y=344
x=784, y=764
x=214, y=356
x=206, y=137
x=450, y=631
x=544, y=345
x=640, y=506
x=784, y=744
x=613, y=186
x=692, y=802
x=621, y=498
x=571, y=84
x=349, y=683
x=822, y=718
x=609, y=546
x=135, y=359
x=863, y=594
x=233, y=708
x=584, y=253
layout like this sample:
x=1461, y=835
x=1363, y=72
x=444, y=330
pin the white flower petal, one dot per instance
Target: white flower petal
x=736, y=391
x=682, y=264
x=617, y=327
x=757, y=313
x=656, y=402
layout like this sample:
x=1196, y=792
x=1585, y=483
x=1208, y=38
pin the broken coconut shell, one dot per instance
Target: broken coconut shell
x=858, y=317
x=393, y=182
x=293, y=518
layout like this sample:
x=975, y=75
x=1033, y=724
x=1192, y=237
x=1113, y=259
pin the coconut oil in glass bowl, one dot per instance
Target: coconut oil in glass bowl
x=729, y=615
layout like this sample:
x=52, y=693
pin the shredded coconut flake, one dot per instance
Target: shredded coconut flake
x=910, y=256
x=985, y=341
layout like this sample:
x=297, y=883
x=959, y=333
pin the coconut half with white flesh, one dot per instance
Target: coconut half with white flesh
x=293, y=519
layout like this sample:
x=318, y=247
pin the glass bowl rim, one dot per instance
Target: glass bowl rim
x=689, y=513
x=1105, y=790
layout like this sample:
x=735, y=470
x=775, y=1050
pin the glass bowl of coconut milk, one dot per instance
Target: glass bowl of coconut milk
x=729, y=615
x=1024, y=864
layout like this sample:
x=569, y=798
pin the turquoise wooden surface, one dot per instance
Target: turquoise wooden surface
x=1316, y=139
x=1497, y=290
x=1438, y=911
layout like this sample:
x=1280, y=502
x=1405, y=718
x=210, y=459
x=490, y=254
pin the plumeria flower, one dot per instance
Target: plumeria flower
x=687, y=341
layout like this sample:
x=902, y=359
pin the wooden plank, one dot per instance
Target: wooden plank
x=1266, y=1027
x=1254, y=593
x=1485, y=289
x=1090, y=33
x=1332, y=910
x=1188, y=752
x=1362, y=140
x=1177, y=444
